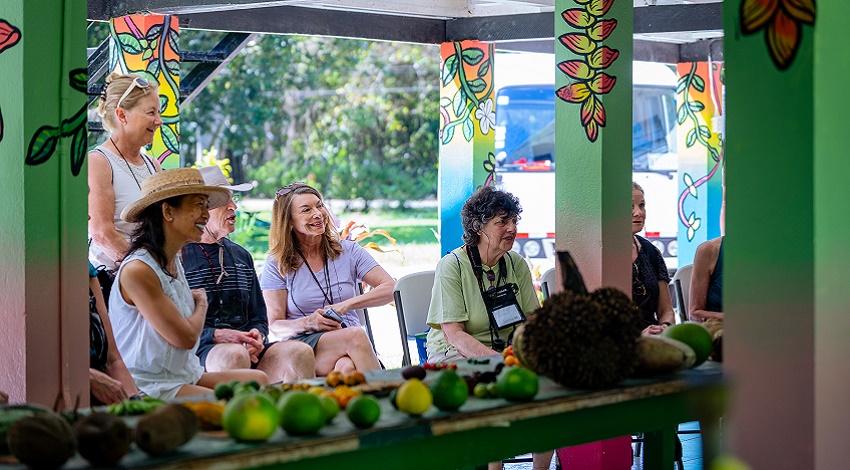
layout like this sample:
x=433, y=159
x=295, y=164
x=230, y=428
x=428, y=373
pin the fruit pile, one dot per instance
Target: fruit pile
x=134, y=407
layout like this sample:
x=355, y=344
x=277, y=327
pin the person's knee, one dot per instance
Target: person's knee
x=358, y=339
x=228, y=356
x=294, y=352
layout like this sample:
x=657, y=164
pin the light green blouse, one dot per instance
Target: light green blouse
x=456, y=298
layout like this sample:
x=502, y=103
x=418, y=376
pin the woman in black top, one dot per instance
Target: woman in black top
x=649, y=273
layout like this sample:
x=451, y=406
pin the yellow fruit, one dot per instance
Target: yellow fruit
x=316, y=390
x=413, y=397
x=250, y=417
x=517, y=384
x=727, y=462
x=363, y=411
x=301, y=413
x=449, y=391
x=334, y=378
x=695, y=336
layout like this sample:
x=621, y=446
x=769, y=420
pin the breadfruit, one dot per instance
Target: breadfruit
x=11, y=413
x=42, y=441
x=582, y=340
x=165, y=429
x=103, y=439
x=658, y=355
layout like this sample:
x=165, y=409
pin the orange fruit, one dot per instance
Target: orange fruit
x=250, y=417
x=517, y=384
x=511, y=361
x=363, y=411
x=301, y=413
x=509, y=351
x=449, y=391
x=334, y=378
x=694, y=335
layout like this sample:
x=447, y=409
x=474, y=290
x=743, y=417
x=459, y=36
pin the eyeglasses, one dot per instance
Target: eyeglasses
x=290, y=187
x=224, y=273
x=236, y=198
x=638, y=289
x=137, y=82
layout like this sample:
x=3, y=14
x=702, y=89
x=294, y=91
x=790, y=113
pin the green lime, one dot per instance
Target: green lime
x=253, y=384
x=517, y=384
x=331, y=407
x=492, y=390
x=301, y=413
x=223, y=391
x=250, y=417
x=449, y=391
x=363, y=411
x=694, y=335
x=481, y=391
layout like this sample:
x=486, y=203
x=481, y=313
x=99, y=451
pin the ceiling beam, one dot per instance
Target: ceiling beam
x=678, y=18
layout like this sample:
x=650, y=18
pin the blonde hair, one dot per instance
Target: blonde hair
x=283, y=245
x=116, y=85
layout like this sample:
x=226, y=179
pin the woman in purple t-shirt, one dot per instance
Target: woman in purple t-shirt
x=310, y=272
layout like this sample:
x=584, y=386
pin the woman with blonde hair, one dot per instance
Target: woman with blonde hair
x=309, y=283
x=129, y=108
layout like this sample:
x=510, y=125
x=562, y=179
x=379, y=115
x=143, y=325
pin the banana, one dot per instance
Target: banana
x=658, y=355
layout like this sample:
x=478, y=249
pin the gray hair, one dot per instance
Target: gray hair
x=484, y=204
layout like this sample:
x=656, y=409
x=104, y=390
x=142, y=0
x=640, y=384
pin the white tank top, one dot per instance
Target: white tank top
x=126, y=184
x=158, y=367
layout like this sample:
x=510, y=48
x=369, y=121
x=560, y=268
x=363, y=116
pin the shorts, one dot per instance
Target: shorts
x=204, y=350
x=311, y=339
x=449, y=355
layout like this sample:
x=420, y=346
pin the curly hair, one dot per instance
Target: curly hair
x=484, y=204
x=282, y=241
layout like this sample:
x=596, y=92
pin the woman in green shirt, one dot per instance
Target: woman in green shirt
x=484, y=267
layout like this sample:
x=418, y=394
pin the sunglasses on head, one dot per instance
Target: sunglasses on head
x=137, y=82
x=290, y=187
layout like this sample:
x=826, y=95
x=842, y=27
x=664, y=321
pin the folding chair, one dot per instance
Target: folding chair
x=412, y=299
x=547, y=283
x=682, y=284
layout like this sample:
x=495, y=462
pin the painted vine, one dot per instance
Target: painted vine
x=587, y=81
x=473, y=100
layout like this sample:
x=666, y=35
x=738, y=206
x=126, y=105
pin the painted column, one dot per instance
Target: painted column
x=147, y=45
x=593, y=151
x=699, y=101
x=467, y=136
x=43, y=271
x=787, y=260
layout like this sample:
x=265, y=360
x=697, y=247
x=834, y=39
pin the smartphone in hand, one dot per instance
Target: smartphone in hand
x=331, y=313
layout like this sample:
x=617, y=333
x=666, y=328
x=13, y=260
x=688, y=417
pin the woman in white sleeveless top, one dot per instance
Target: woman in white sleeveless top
x=156, y=319
x=130, y=111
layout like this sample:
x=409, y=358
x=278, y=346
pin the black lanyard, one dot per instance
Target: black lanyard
x=329, y=295
x=478, y=269
x=216, y=281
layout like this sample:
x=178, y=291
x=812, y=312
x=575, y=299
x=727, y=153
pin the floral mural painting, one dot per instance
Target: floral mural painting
x=147, y=45
x=45, y=140
x=470, y=70
x=587, y=81
x=9, y=36
x=782, y=21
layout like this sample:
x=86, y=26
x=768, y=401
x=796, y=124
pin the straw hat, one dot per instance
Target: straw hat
x=170, y=183
x=213, y=176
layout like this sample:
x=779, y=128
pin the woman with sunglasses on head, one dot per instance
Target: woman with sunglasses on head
x=130, y=111
x=309, y=283
x=650, y=279
x=156, y=319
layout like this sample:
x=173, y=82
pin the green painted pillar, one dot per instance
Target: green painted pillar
x=593, y=137
x=467, y=135
x=43, y=271
x=147, y=45
x=788, y=261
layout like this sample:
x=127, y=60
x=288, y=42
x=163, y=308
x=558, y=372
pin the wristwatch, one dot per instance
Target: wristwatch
x=667, y=323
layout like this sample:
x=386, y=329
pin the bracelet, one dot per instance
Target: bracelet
x=667, y=323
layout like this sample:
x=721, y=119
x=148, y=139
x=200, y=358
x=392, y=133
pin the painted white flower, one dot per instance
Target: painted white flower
x=486, y=116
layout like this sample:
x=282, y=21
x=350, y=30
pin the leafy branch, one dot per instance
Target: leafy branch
x=700, y=132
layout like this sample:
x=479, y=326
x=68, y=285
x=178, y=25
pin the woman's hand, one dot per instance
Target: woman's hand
x=318, y=322
x=105, y=388
x=652, y=330
x=200, y=297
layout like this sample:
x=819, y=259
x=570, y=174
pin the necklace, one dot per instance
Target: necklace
x=150, y=172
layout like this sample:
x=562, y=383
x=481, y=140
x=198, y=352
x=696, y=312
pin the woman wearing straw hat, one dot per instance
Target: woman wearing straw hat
x=130, y=111
x=157, y=320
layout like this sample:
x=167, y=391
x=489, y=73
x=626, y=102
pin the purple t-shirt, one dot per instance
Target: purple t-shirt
x=304, y=296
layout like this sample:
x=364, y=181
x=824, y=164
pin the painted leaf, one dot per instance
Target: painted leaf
x=603, y=57
x=602, y=29
x=485, y=67
x=715, y=155
x=477, y=86
x=42, y=145
x=592, y=131
x=144, y=43
x=698, y=83
x=688, y=180
x=163, y=103
x=576, y=69
x=449, y=69
x=696, y=225
x=448, y=135
x=459, y=101
x=468, y=129
x=801, y=10
x=691, y=138
x=445, y=102
x=681, y=114
x=599, y=7
x=756, y=13
x=173, y=67
x=78, y=151
x=147, y=54
x=153, y=70
x=472, y=56
x=578, y=43
x=681, y=85
x=173, y=37
x=129, y=43
x=79, y=79
x=573, y=93
x=153, y=32
x=602, y=83
x=783, y=38
x=170, y=139
x=696, y=106
x=593, y=110
x=578, y=17
x=704, y=131
x=9, y=35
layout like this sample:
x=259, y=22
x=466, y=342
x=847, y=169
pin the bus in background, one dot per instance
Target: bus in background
x=525, y=150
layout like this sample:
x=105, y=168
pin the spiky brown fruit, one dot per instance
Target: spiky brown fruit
x=583, y=340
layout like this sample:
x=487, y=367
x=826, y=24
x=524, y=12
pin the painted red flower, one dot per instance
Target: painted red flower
x=602, y=29
x=577, y=69
x=603, y=57
x=9, y=35
x=782, y=20
x=578, y=17
x=602, y=83
x=574, y=92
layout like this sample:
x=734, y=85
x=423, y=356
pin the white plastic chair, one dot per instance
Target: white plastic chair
x=547, y=283
x=412, y=299
x=682, y=284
